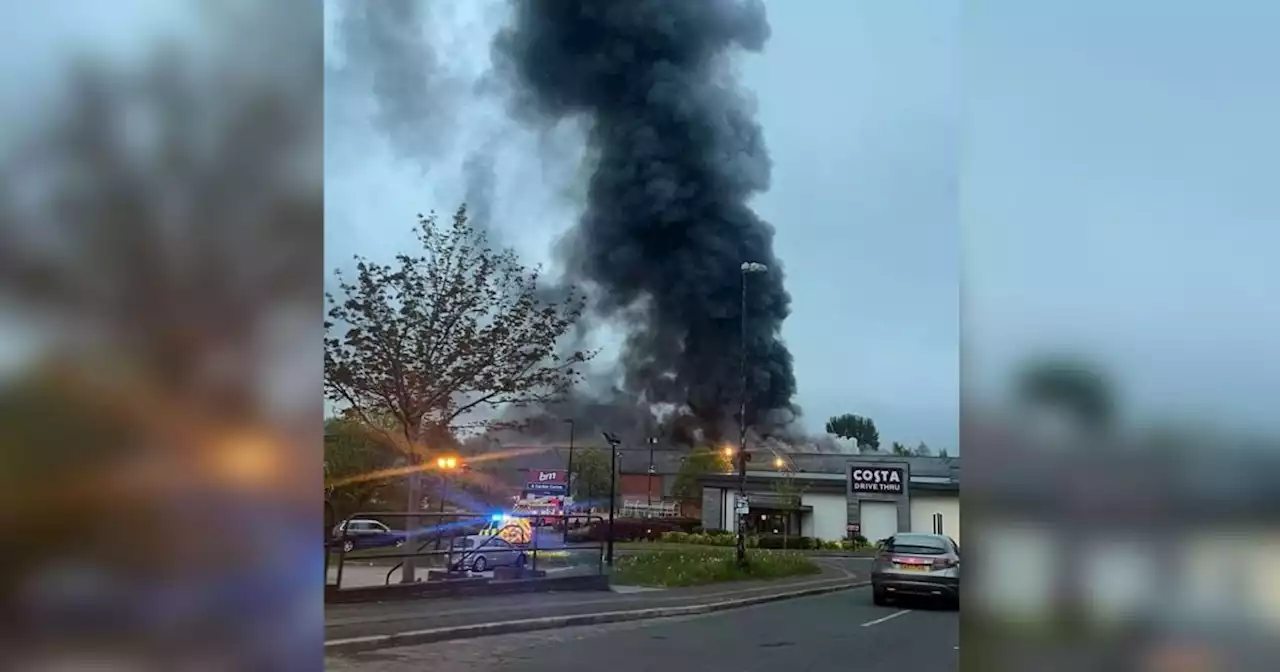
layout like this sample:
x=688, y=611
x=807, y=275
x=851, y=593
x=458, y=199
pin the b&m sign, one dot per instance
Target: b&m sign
x=547, y=481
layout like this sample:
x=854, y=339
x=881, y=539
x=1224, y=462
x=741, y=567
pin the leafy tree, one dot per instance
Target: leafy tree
x=590, y=475
x=1073, y=387
x=699, y=461
x=436, y=337
x=900, y=449
x=860, y=429
x=358, y=464
x=943, y=453
x=923, y=450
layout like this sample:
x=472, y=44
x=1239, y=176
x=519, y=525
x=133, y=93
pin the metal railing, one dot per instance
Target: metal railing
x=546, y=545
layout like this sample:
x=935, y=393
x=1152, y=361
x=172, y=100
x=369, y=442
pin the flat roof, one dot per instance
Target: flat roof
x=827, y=482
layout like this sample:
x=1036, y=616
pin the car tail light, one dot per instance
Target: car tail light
x=943, y=563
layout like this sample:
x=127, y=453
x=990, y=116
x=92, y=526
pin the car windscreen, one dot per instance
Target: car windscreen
x=918, y=545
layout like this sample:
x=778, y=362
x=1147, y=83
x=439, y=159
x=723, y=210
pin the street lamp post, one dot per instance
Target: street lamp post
x=653, y=441
x=748, y=267
x=613, y=442
x=568, y=476
x=446, y=465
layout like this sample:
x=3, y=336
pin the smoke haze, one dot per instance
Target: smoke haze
x=418, y=98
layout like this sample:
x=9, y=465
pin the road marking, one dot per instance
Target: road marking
x=885, y=618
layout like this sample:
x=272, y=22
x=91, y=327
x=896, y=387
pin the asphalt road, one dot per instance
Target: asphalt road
x=836, y=632
x=382, y=618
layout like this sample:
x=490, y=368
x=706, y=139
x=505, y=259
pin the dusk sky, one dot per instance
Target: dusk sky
x=860, y=111
x=1101, y=172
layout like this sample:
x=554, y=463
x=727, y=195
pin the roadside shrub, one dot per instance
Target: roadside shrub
x=689, y=567
x=676, y=537
x=778, y=541
x=715, y=538
x=686, y=525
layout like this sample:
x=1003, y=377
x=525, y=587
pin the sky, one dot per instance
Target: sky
x=1119, y=200
x=1070, y=176
x=864, y=197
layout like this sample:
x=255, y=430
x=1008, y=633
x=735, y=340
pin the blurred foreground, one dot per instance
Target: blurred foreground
x=1105, y=546
x=160, y=235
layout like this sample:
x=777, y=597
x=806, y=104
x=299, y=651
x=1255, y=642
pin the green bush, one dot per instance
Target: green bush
x=676, y=537
x=777, y=541
x=691, y=567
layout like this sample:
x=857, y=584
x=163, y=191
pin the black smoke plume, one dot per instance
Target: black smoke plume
x=677, y=155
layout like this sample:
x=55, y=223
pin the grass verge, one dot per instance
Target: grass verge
x=648, y=546
x=670, y=568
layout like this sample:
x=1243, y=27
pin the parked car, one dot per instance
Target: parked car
x=480, y=553
x=365, y=533
x=916, y=565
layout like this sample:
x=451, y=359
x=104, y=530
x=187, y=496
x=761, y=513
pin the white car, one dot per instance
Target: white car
x=481, y=552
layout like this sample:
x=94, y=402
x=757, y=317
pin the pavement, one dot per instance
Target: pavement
x=838, y=631
x=363, y=620
x=364, y=575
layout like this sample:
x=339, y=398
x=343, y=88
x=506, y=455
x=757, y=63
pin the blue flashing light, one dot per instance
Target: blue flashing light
x=497, y=517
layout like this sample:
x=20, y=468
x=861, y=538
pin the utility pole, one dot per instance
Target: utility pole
x=613, y=442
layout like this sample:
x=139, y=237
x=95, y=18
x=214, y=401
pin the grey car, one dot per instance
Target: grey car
x=914, y=564
x=480, y=553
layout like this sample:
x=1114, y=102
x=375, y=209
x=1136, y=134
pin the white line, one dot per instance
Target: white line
x=885, y=618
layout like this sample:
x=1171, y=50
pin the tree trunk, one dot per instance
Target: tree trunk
x=412, y=523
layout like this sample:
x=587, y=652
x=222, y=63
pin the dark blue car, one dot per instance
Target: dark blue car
x=364, y=533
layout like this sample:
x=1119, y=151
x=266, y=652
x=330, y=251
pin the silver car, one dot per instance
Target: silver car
x=480, y=553
x=914, y=564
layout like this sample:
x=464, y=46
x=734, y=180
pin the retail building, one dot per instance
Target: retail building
x=833, y=497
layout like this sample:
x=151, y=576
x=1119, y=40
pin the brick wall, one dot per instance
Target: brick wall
x=635, y=486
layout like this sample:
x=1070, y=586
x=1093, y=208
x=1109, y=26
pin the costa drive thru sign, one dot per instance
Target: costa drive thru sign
x=877, y=480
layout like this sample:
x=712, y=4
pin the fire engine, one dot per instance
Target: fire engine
x=543, y=510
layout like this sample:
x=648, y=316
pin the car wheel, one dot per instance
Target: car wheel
x=348, y=546
x=399, y=543
x=480, y=564
x=879, y=598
